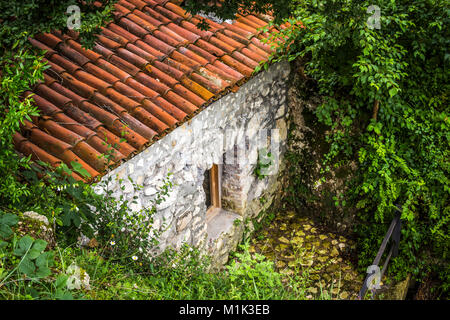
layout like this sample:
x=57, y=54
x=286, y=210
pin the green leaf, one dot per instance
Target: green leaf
x=45, y=259
x=42, y=272
x=27, y=266
x=64, y=295
x=6, y=222
x=78, y=168
x=393, y=92
x=3, y=244
x=61, y=281
x=5, y=231
x=39, y=245
x=9, y=219
x=23, y=245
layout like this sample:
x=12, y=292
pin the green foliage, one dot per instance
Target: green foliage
x=255, y=271
x=108, y=271
x=66, y=202
x=119, y=259
x=21, y=68
x=183, y=275
x=393, y=81
x=126, y=233
x=228, y=8
x=19, y=72
x=265, y=161
x=24, y=263
x=23, y=19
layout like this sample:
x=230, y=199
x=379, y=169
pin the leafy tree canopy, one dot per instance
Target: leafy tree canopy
x=22, y=19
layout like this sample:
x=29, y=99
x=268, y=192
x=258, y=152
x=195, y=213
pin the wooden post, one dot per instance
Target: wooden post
x=215, y=185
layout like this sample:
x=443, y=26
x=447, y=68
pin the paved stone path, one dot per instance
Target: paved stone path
x=299, y=248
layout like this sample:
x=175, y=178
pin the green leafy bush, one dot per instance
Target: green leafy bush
x=123, y=232
x=25, y=265
x=391, y=82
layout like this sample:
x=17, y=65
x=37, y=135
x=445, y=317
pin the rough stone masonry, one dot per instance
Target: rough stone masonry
x=230, y=131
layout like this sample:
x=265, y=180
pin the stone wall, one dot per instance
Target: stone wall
x=230, y=131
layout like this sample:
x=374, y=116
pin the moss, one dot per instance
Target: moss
x=36, y=229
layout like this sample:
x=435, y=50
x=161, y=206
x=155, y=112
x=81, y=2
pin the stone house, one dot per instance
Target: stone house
x=185, y=100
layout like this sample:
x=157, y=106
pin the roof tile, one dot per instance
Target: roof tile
x=149, y=70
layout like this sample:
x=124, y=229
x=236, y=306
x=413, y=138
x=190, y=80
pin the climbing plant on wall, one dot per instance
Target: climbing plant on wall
x=385, y=64
x=21, y=67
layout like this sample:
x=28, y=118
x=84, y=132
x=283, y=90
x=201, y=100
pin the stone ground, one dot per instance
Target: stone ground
x=301, y=250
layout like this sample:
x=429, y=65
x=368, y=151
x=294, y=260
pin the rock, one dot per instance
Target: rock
x=348, y=277
x=183, y=222
x=281, y=247
x=288, y=257
x=316, y=244
x=314, y=277
x=36, y=216
x=290, y=214
x=36, y=226
x=399, y=291
x=307, y=263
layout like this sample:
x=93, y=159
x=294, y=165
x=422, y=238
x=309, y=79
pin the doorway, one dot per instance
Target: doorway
x=212, y=184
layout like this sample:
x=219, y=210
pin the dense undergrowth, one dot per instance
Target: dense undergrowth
x=384, y=85
x=106, y=270
x=47, y=261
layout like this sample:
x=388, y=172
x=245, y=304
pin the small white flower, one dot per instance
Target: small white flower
x=112, y=243
x=134, y=258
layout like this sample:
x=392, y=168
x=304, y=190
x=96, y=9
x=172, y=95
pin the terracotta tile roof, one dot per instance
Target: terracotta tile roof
x=149, y=71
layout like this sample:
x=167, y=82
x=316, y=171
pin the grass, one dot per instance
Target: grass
x=175, y=276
